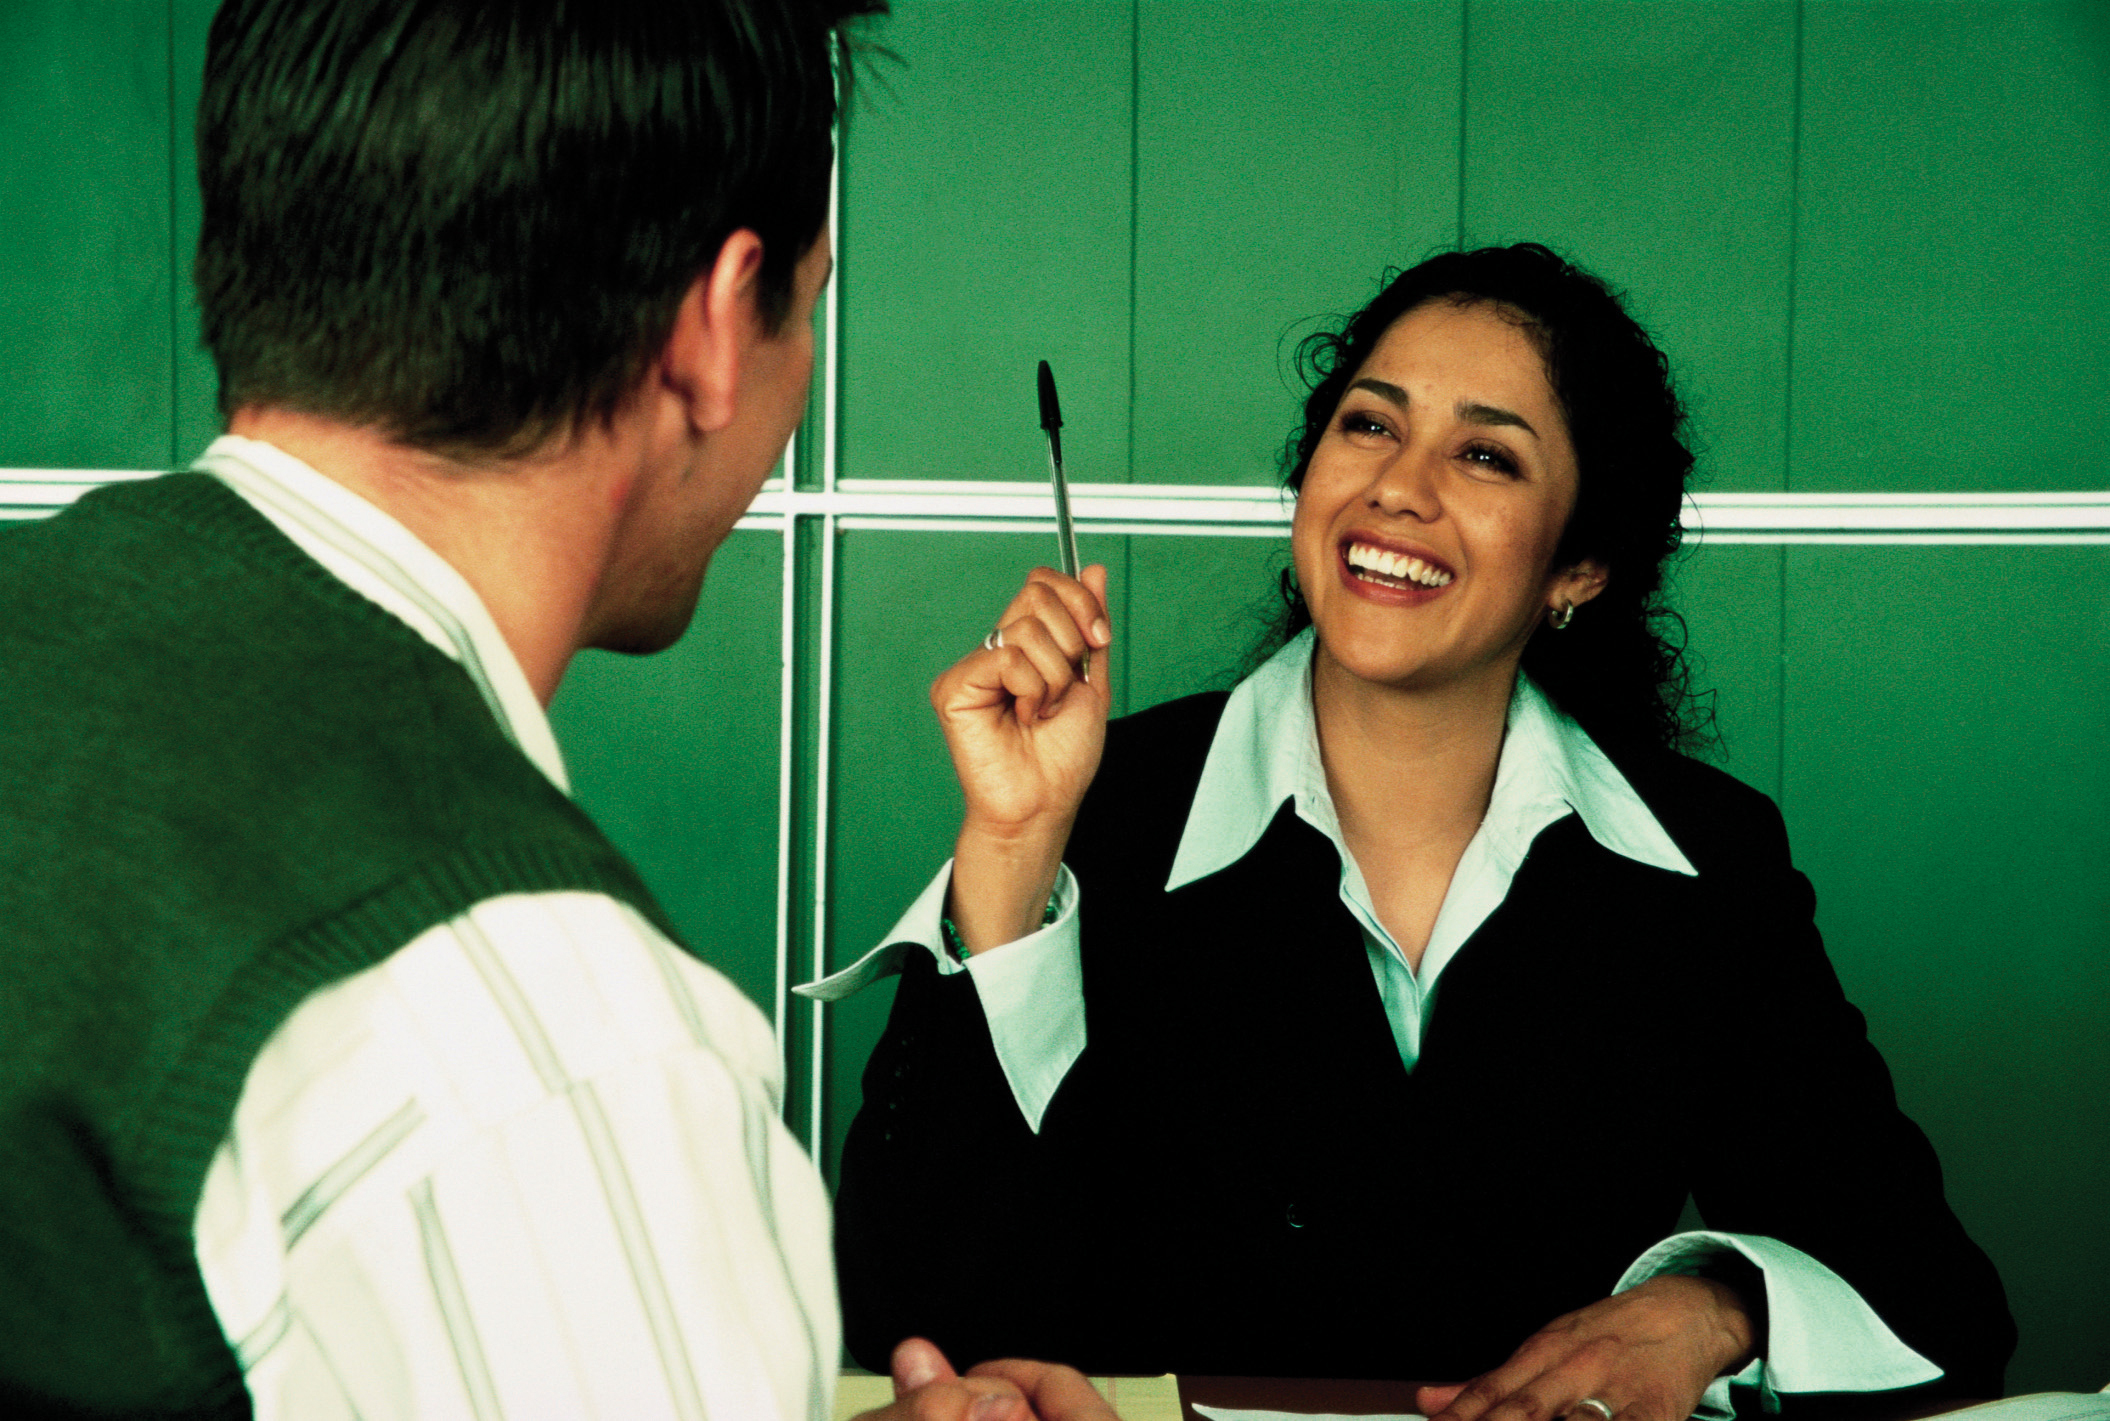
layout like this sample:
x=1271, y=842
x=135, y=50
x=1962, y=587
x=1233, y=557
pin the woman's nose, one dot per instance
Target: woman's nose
x=1406, y=486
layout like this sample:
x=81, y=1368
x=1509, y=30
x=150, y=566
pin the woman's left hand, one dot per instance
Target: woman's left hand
x=1649, y=1354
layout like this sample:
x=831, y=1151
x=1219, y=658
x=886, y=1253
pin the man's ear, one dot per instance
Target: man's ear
x=718, y=320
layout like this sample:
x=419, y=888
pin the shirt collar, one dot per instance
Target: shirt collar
x=1266, y=750
x=379, y=558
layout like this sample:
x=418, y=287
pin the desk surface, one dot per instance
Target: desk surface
x=1391, y=1398
x=1173, y=1398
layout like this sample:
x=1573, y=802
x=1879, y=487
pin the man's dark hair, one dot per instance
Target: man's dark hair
x=1619, y=669
x=469, y=223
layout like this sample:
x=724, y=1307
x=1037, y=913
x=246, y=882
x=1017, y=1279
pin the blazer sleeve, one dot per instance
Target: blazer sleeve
x=955, y=1220
x=1809, y=1145
x=944, y=1219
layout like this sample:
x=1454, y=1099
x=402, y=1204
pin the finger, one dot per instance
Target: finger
x=1055, y=1392
x=917, y=1363
x=1059, y=615
x=1490, y=1391
x=1430, y=1400
x=1095, y=582
x=1550, y=1398
x=958, y=1399
x=1085, y=604
x=1022, y=681
x=1470, y=1401
x=1037, y=644
x=1559, y=1390
x=992, y=680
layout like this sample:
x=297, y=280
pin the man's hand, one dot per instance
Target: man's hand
x=926, y=1388
x=1649, y=1354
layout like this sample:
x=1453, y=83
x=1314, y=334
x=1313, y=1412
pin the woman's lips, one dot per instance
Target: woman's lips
x=1386, y=572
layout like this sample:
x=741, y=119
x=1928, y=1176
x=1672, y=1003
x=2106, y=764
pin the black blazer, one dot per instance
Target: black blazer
x=1238, y=1175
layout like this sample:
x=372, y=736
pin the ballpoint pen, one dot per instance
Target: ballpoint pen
x=1065, y=531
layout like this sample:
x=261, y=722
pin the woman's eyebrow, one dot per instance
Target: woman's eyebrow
x=1383, y=389
x=1467, y=410
x=1493, y=414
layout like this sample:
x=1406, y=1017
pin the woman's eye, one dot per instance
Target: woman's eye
x=1488, y=456
x=1356, y=422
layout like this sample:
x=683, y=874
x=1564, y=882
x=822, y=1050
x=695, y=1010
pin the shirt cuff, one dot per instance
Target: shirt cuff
x=1032, y=993
x=917, y=927
x=1820, y=1335
x=1032, y=990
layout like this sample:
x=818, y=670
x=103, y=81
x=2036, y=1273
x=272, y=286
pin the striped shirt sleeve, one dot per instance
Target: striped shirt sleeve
x=530, y=1166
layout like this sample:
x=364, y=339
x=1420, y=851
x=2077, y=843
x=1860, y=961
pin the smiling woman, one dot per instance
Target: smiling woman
x=1380, y=1017
x=1569, y=343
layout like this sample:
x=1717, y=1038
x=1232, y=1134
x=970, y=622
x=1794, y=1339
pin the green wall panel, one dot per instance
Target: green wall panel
x=85, y=262
x=911, y=604
x=1730, y=598
x=675, y=756
x=1198, y=608
x=1946, y=788
x=196, y=386
x=1869, y=233
x=1286, y=154
x=1951, y=311
x=1652, y=143
x=986, y=210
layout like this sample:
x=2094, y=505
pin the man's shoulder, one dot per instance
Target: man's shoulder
x=281, y=762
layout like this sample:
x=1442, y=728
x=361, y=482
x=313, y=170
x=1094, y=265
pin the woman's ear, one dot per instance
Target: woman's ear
x=1577, y=585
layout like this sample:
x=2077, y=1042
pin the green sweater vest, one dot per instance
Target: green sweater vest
x=226, y=782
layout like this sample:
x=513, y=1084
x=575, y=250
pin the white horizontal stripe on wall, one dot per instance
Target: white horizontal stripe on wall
x=1219, y=510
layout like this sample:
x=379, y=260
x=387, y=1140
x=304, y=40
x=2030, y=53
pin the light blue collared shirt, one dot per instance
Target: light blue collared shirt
x=1266, y=751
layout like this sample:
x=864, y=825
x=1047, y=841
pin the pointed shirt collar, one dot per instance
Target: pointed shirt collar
x=389, y=565
x=1266, y=750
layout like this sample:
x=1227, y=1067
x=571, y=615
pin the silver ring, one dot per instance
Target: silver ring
x=1591, y=1403
x=994, y=642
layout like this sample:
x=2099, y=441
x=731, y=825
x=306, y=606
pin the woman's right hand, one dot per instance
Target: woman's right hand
x=1025, y=731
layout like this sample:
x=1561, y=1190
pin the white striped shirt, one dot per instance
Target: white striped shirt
x=530, y=1166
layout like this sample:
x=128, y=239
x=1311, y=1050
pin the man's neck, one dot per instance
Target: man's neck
x=530, y=535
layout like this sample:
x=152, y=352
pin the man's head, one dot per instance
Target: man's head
x=470, y=226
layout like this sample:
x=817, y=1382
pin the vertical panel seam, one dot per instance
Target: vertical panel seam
x=1135, y=208
x=175, y=254
x=824, y=696
x=1464, y=36
x=1780, y=775
x=1787, y=432
x=824, y=711
x=787, y=735
x=1135, y=249
x=1787, y=395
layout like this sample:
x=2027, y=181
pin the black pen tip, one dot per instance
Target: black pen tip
x=1050, y=411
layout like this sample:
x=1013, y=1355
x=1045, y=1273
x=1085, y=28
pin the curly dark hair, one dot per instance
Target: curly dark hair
x=1619, y=668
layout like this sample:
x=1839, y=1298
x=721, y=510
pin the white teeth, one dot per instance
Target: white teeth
x=1396, y=565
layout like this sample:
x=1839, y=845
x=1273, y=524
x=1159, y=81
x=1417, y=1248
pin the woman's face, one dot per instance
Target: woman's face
x=1425, y=529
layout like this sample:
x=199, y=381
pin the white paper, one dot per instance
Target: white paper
x=1226, y=1413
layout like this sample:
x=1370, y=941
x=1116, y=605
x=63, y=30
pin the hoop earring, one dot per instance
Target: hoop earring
x=1559, y=620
